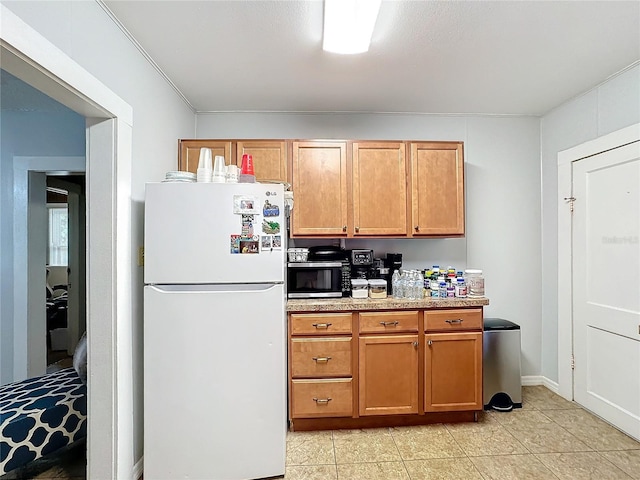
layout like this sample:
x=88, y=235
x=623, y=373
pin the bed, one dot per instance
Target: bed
x=41, y=415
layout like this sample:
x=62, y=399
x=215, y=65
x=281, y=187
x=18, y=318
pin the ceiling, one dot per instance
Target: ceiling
x=504, y=57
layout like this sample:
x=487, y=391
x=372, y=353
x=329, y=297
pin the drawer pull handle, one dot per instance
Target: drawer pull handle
x=321, y=359
x=451, y=322
x=390, y=324
x=322, y=401
x=321, y=325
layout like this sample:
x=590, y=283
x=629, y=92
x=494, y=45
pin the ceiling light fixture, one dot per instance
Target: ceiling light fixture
x=348, y=25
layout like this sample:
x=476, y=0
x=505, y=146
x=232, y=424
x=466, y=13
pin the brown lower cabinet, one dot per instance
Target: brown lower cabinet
x=453, y=371
x=392, y=367
x=388, y=374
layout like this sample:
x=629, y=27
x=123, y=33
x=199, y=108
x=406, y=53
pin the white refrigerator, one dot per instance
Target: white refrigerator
x=214, y=331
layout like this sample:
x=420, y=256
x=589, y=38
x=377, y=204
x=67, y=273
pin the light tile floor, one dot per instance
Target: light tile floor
x=549, y=438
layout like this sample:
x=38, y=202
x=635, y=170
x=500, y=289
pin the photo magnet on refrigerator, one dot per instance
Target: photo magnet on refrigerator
x=235, y=243
x=270, y=227
x=249, y=245
x=247, y=226
x=270, y=210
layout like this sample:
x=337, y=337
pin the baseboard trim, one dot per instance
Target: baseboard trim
x=530, y=380
x=551, y=385
x=138, y=468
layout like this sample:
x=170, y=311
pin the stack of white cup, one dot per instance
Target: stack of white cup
x=219, y=170
x=232, y=173
x=205, y=170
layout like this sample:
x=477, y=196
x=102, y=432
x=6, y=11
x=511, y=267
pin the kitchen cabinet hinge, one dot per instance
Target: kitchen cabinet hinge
x=571, y=200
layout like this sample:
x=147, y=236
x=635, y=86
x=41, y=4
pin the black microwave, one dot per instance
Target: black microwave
x=320, y=279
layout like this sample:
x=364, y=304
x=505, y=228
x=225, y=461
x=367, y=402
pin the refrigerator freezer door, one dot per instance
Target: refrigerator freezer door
x=191, y=230
x=214, y=382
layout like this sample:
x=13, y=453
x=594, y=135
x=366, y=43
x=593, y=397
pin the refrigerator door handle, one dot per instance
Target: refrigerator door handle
x=215, y=288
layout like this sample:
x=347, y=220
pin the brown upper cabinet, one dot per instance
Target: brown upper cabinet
x=319, y=189
x=345, y=189
x=270, y=157
x=189, y=152
x=353, y=189
x=379, y=189
x=437, y=189
x=374, y=177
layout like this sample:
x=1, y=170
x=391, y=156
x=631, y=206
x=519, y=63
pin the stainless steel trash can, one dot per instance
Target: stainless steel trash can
x=502, y=380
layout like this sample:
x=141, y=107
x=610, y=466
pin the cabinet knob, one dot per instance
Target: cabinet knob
x=357, y=229
x=416, y=228
x=415, y=344
x=429, y=342
x=344, y=228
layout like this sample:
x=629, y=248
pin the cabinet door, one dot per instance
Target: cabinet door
x=189, y=152
x=453, y=371
x=269, y=158
x=388, y=368
x=437, y=189
x=319, y=189
x=379, y=189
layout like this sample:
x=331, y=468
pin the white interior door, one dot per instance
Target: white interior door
x=606, y=285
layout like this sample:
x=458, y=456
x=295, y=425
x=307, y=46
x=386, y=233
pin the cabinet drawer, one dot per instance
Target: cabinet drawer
x=385, y=322
x=453, y=320
x=320, y=324
x=321, y=357
x=321, y=398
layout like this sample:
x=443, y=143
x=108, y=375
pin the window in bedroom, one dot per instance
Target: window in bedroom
x=58, y=249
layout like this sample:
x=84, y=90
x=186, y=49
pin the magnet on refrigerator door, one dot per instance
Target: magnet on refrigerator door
x=270, y=210
x=270, y=227
x=265, y=242
x=249, y=245
x=247, y=226
x=235, y=243
x=245, y=205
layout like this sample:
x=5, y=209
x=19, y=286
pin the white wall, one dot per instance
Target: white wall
x=502, y=179
x=87, y=34
x=611, y=106
x=25, y=134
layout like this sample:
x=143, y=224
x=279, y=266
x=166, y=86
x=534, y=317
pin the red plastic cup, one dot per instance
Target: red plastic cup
x=247, y=165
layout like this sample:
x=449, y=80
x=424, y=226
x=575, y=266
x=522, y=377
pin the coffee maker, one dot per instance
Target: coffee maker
x=362, y=263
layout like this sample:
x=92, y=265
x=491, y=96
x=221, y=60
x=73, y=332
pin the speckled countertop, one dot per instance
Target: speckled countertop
x=389, y=303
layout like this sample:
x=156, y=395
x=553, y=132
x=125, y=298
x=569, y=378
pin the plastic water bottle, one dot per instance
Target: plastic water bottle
x=395, y=284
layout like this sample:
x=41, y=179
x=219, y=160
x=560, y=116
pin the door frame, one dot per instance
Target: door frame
x=29, y=259
x=30, y=57
x=566, y=158
x=76, y=266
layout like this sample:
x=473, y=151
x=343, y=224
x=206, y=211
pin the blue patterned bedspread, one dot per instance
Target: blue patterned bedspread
x=40, y=415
